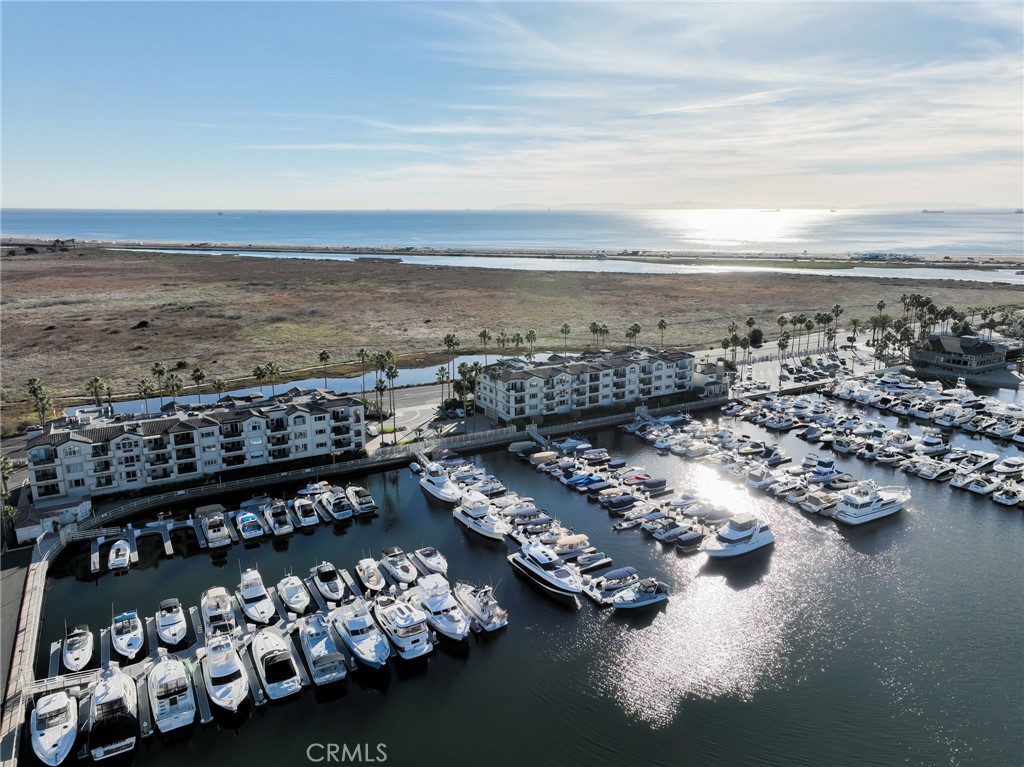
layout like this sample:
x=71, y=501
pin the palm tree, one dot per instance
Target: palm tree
x=159, y=371
x=391, y=374
x=603, y=332
x=380, y=388
x=109, y=391
x=40, y=398
x=174, y=386
x=442, y=378
x=219, y=385
x=783, y=345
x=854, y=324
x=260, y=374
x=744, y=344
x=95, y=388
x=725, y=345
x=324, y=356
x=565, y=330
x=635, y=330
x=452, y=343
x=502, y=341
x=273, y=373
x=662, y=325
x=363, y=356
x=594, y=330
x=475, y=371
x=531, y=339
x=146, y=390
x=517, y=341
x=198, y=376
x=484, y=337
x=6, y=471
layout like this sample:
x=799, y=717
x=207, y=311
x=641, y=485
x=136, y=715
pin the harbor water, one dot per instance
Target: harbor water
x=894, y=643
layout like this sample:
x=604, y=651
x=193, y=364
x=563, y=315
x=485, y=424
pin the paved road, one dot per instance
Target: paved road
x=13, y=571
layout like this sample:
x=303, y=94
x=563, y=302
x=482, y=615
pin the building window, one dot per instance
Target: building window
x=320, y=445
x=300, y=420
x=75, y=483
x=255, y=440
x=320, y=418
x=131, y=476
x=207, y=434
x=300, y=435
x=300, y=448
x=210, y=462
x=209, y=448
x=257, y=455
x=71, y=452
x=129, y=460
x=254, y=426
x=75, y=468
x=318, y=432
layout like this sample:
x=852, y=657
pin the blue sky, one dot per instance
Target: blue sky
x=431, y=105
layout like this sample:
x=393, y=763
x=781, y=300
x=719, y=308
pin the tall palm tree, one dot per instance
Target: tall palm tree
x=502, y=342
x=363, y=356
x=219, y=385
x=484, y=337
x=391, y=374
x=854, y=324
x=442, y=378
x=380, y=388
x=174, y=386
x=517, y=341
x=198, y=376
x=565, y=330
x=273, y=372
x=726, y=343
x=95, y=388
x=594, y=328
x=783, y=345
x=531, y=339
x=452, y=343
x=260, y=374
x=809, y=325
x=159, y=371
x=146, y=390
x=635, y=330
x=324, y=356
x=662, y=325
x=41, y=398
x=603, y=332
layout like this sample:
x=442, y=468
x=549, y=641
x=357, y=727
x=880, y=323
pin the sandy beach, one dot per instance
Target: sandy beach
x=70, y=315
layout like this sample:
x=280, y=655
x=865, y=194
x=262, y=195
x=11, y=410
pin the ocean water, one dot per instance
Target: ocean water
x=893, y=643
x=982, y=232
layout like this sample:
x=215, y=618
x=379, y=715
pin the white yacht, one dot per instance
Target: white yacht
x=612, y=582
x=278, y=518
x=480, y=604
x=171, y=697
x=1009, y=468
x=369, y=574
x=824, y=471
x=847, y=444
x=54, y=727
x=436, y=482
x=397, y=564
x=984, y=484
x=475, y=513
x=1010, y=494
x=218, y=616
x=215, y=529
x=431, y=559
x=274, y=664
x=119, y=557
x=336, y=503
x=544, y=567
x=254, y=599
x=328, y=582
x=293, y=593
x=932, y=444
x=434, y=597
x=305, y=513
x=742, y=534
x=77, y=650
x=326, y=663
x=404, y=625
x=249, y=525
x=126, y=634
x=642, y=594
x=978, y=460
x=937, y=471
x=865, y=502
x=171, y=625
x=362, y=502
x=113, y=714
x=819, y=502
x=226, y=682
x=963, y=477
x=355, y=626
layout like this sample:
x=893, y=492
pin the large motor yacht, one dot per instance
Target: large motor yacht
x=434, y=598
x=865, y=502
x=275, y=664
x=436, y=482
x=543, y=566
x=171, y=697
x=353, y=623
x=113, y=714
x=218, y=617
x=326, y=663
x=254, y=599
x=742, y=534
x=475, y=513
x=404, y=625
x=480, y=604
x=54, y=727
x=226, y=682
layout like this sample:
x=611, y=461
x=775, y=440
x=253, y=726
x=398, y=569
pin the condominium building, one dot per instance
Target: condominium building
x=516, y=388
x=96, y=452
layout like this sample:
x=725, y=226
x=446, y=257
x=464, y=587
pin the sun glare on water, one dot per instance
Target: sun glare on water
x=737, y=228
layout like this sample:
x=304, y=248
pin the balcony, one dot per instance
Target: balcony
x=231, y=432
x=187, y=468
x=43, y=459
x=102, y=482
x=341, y=431
x=100, y=451
x=184, y=439
x=235, y=448
x=276, y=427
x=101, y=467
x=340, y=418
x=234, y=460
x=46, y=475
x=161, y=461
x=618, y=386
x=185, y=454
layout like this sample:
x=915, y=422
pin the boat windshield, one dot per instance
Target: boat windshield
x=172, y=688
x=53, y=718
x=110, y=708
x=126, y=627
x=409, y=631
x=223, y=679
x=280, y=668
x=358, y=631
x=255, y=599
x=77, y=642
x=327, y=576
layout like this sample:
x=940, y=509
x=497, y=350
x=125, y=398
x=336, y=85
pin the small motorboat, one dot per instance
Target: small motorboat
x=171, y=625
x=432, y=560
x=218, y=616
x=274, y=664
x=328, y=582
x=689, y=542
x=126, y=634
x=249, y=525
x=480, y=604
x=119, y=558
x=278, y=518
x=54, y=727
x=363, y=504
x=305, y=513
x=642, y=594
x=171, y=697
x=326, y=663
x=354, y=624
x=77, y=650
x=370, y=575
x=293, y=593
x=593, y=561
x=254, y=599
x=395, y=563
